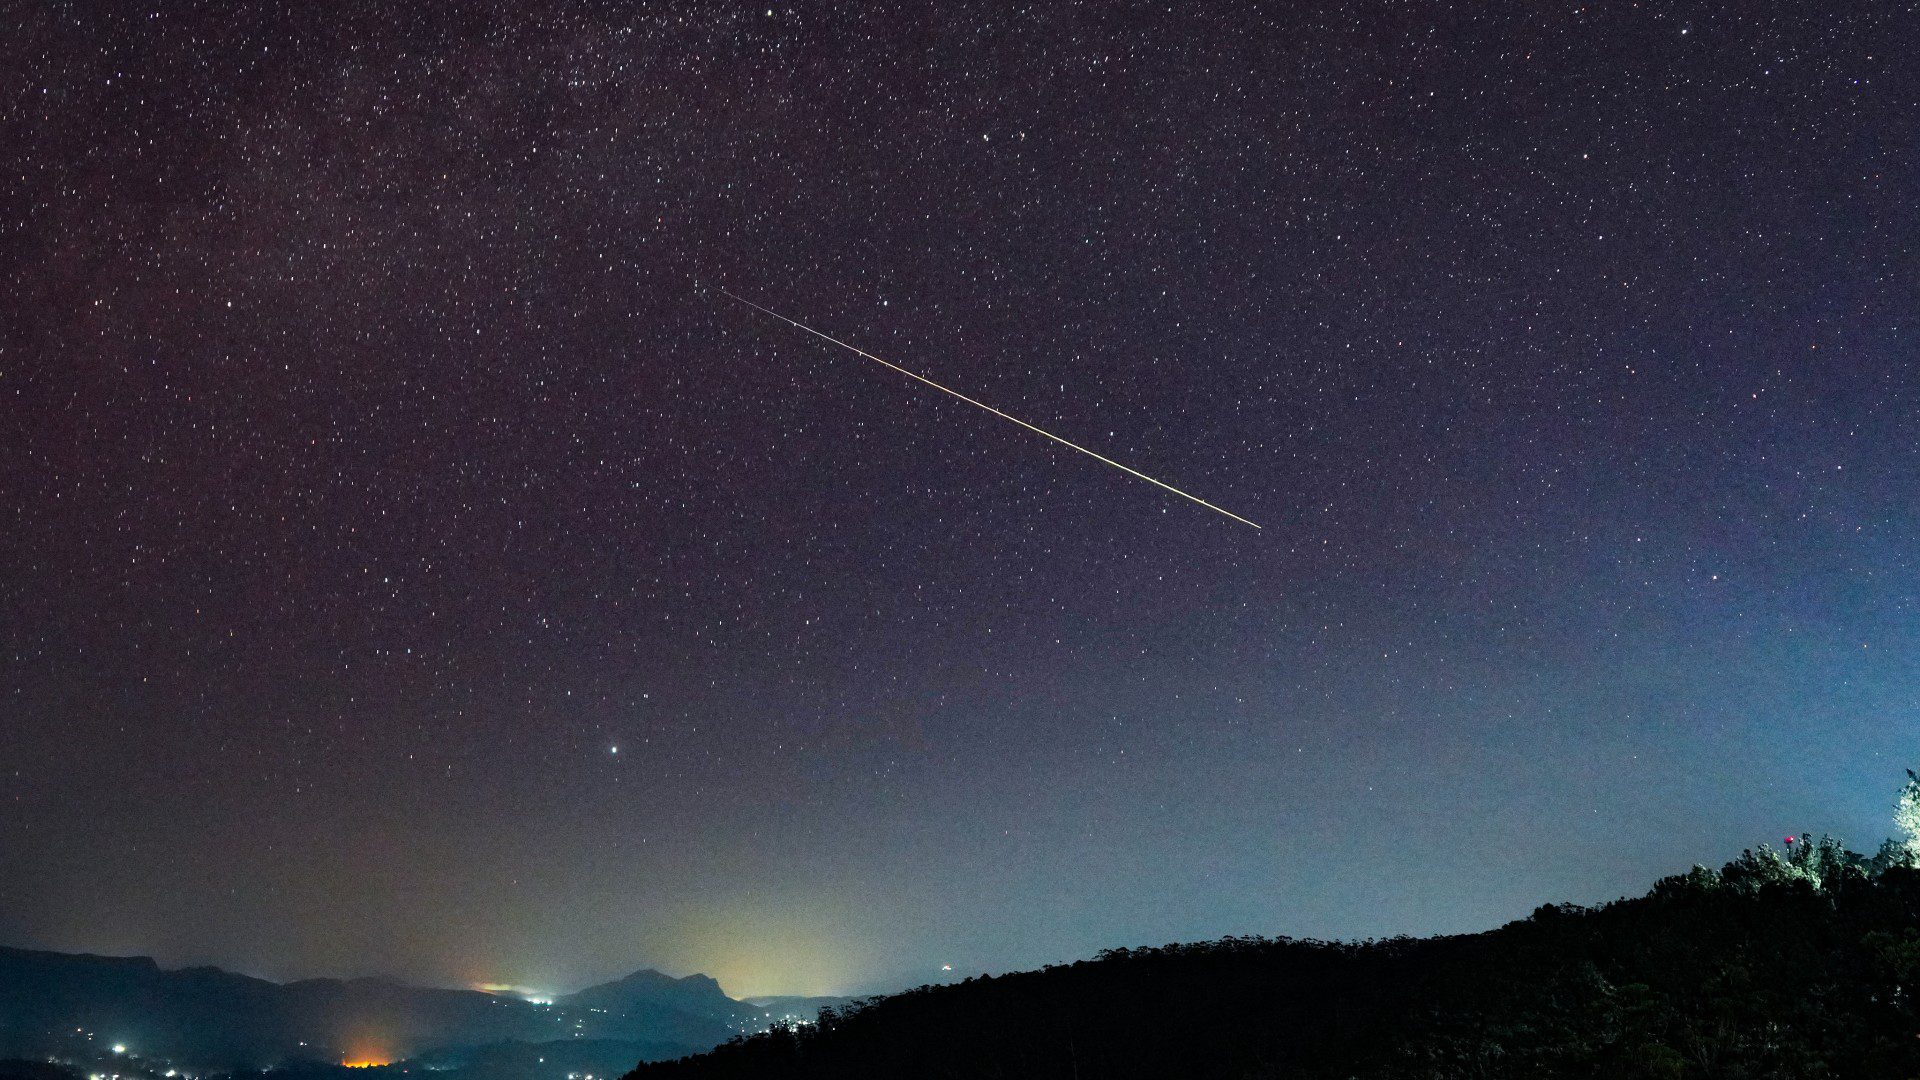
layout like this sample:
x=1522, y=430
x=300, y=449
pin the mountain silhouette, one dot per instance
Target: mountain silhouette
x=205, y=1018
x=692, y=1009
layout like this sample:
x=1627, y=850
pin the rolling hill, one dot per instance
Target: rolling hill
x=1801, y=965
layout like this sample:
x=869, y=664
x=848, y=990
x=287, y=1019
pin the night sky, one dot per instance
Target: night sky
x=411, y=564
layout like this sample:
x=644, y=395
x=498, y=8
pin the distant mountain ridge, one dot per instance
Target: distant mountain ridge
x=209, y=1018
x=648, y=986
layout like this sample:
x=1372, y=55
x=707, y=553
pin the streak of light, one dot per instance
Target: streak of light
x=981, y=404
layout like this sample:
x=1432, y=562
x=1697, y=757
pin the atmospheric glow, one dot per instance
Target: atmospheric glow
x=528, y=994
x=367, y=1051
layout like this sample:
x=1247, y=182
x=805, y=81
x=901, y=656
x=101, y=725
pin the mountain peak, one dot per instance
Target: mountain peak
x=652, y=987
x=652, y=975
x=656, y=977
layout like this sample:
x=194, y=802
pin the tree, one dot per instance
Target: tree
x=1906, y=818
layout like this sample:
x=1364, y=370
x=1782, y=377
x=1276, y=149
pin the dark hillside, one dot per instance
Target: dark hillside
x=1785, y=967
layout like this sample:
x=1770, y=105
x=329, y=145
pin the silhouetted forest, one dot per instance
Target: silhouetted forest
x=1784, y=964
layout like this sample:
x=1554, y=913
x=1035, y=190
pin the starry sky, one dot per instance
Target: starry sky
x=410, y=563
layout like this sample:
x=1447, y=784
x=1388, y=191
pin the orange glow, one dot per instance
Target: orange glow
x=367, y=1052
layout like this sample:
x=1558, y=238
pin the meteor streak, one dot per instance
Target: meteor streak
x=981, y=404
